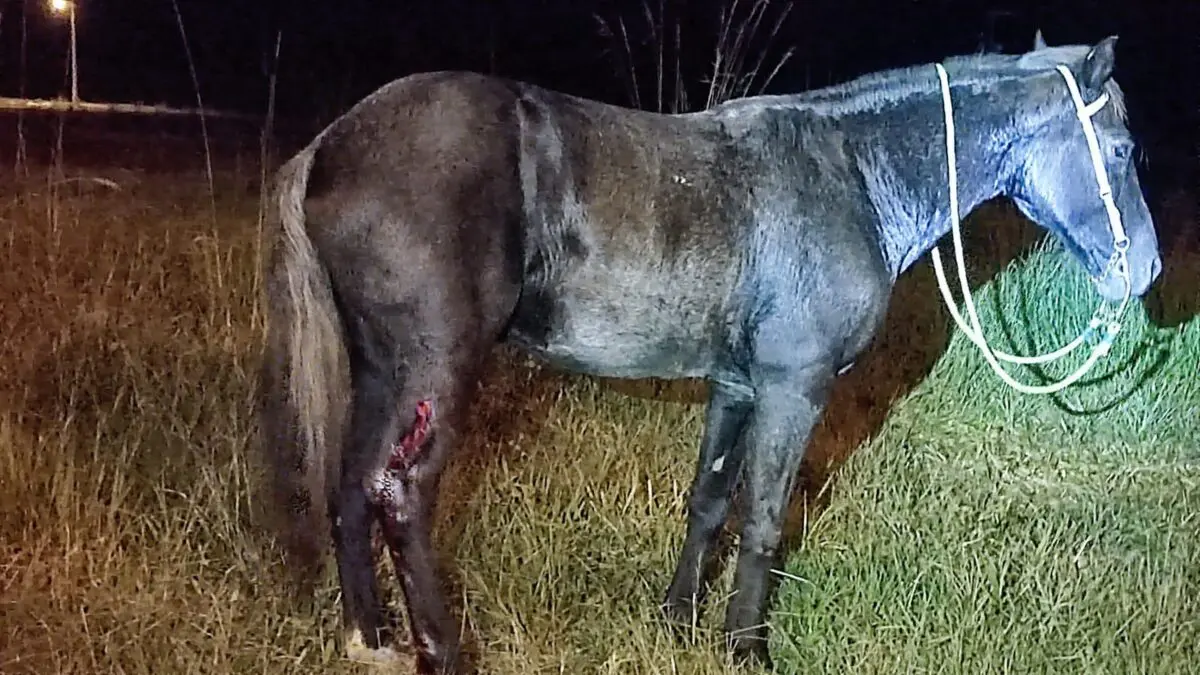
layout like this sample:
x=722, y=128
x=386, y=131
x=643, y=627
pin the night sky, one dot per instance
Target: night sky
x=336, y=52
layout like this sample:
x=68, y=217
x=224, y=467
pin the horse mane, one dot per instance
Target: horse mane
x=875, y=91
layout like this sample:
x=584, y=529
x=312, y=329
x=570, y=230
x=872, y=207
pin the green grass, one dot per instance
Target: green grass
x=975, y=529
x=985, y=530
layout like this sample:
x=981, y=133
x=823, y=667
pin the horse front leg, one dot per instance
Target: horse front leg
x=717, y=470
x=786, y=409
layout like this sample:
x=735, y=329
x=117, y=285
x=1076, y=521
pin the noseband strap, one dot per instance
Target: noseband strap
x=1085, y=112
x=1118, y=261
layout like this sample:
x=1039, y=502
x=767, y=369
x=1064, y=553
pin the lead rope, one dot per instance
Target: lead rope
x=974, y=331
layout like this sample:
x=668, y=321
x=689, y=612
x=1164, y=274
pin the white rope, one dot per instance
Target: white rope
x=974, y=330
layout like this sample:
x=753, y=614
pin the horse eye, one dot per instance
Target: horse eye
x=1121, y=151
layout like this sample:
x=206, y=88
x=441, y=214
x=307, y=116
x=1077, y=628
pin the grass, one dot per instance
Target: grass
x=648, y=53
x=974, y=530
x=983, y=530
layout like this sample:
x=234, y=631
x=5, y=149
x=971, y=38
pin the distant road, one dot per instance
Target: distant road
x=132, y=135
x=67, y=106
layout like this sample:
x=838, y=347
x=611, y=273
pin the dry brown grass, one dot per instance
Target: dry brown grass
x=127, y=509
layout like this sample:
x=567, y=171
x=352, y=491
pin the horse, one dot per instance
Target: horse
x=754, y=244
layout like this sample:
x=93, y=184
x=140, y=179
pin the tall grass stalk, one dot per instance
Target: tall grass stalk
x=742, y=39
x=195, y=79
x=744, y=59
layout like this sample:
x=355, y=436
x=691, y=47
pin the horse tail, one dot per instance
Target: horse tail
x=305, y=378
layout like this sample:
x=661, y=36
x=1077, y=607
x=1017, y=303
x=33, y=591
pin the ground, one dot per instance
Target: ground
x=973, y=529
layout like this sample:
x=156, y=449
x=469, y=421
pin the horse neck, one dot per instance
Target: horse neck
x=901, y=152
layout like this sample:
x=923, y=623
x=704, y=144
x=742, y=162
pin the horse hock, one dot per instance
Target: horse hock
x=385, y=487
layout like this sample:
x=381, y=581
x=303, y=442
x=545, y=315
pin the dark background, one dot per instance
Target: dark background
x=333, y=52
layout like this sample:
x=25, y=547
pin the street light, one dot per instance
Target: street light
x=68, y=7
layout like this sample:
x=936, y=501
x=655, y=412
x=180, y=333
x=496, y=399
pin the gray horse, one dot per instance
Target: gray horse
x=755, y=244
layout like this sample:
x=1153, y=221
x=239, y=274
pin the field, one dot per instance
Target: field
x=973, y=529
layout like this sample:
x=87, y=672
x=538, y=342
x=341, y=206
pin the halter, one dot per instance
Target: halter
x=1102, y=317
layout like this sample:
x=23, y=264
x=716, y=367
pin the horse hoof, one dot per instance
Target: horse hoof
x=358, y=652
x=680, y=619
x=676, y=612
x=751, y=651
x=428, y=664
x=380, y=656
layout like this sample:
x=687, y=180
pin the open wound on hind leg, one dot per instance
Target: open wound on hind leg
x=385, y=486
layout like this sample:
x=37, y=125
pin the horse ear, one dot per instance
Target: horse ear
x=1099, y=63
x=1039, y=41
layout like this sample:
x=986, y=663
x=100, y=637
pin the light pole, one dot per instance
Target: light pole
x=68, y=7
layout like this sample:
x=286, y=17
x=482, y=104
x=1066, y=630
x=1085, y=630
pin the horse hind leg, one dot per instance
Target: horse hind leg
x=431, y=407
x=423, y=302
x=416, y=364
x=371, y=424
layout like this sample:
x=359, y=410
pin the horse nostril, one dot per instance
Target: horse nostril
x=1155, y=268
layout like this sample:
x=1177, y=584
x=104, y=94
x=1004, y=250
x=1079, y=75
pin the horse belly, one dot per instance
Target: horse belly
x=623, y=337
